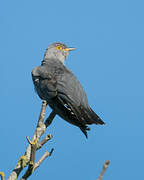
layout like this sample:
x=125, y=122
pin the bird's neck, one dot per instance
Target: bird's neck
x=47, y=60
x=54, y=56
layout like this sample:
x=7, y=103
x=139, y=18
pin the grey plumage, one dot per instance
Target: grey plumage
x=60, y=88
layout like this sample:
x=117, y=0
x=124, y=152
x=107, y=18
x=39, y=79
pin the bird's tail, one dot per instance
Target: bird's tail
x=88, y=117
x=93, y=118
x=84, y=129
x=82, y=117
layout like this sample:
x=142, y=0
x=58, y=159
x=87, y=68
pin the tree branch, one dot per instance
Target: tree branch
x=40, y=129
x=42, y=113
x=32, y=159
x=44, y=156
x=28, y=159
x=105, y=166
x=45, y=140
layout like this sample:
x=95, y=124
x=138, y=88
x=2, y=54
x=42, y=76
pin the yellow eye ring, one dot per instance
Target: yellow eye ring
x=59, y=48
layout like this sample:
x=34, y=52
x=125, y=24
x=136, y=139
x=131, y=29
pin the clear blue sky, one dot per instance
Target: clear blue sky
x=109, y=62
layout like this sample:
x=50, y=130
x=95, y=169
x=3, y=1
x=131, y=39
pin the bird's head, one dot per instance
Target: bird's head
x=57, y=51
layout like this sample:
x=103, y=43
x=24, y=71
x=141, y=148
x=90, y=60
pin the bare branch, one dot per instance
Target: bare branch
x=32, y=167
x=28, y=159
x=42, y=113
x=33, y=149
x=45, y=140
x=106, y=164
x=45, y=155
x=32, y=159
x=25, y=159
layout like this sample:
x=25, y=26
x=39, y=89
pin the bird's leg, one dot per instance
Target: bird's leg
x=50, y=118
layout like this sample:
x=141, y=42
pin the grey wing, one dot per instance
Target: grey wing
x=44, y=82
x=70, y=89
x=71, y=94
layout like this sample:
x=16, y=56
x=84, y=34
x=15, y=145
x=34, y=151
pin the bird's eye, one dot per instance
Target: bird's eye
x=59, y=47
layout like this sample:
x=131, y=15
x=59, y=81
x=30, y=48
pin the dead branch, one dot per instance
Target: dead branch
x=32, y=159
x=45, y=140
x=29, y=156
x=105, y=166
x=28, y=159
x=44, y=156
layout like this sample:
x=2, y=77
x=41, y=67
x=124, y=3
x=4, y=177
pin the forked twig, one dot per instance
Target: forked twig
x=29, y=156
x=44, y=156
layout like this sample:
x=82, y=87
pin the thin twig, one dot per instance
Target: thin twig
x=32, y=159
x=44, y=156
x=45, y=140
x=25, y=159
x=105, y=166
x=42, y=113
x=33, y=149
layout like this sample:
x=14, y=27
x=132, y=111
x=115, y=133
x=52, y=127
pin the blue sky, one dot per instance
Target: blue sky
x=108, y=60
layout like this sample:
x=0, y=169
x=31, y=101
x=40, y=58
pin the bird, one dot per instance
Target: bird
x=62, y=91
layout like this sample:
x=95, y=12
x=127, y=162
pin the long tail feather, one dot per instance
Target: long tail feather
x=95, y=118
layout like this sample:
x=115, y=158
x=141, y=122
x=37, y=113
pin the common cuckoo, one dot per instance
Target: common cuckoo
x=60, y=88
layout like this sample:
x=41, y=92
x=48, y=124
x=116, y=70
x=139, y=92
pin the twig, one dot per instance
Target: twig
x=45, y=155
x=2, y=175
x=42, y=113
x=45, y=140
x=105, y=166
x=32, y=159
x=29, y=157
x=25, y=159
x=33, y=149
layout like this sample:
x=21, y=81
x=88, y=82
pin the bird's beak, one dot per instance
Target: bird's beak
x=69, y=49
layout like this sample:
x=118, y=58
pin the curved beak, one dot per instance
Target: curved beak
x=69, y=49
